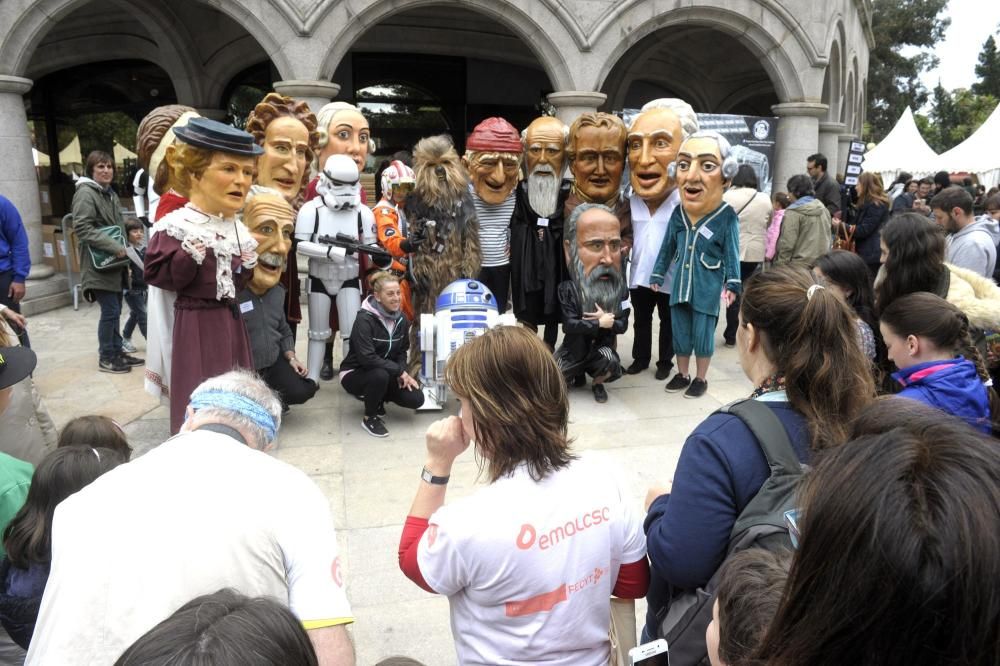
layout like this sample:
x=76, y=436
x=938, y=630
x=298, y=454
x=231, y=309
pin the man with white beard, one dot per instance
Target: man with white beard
x=594, y=303
x=536, y=228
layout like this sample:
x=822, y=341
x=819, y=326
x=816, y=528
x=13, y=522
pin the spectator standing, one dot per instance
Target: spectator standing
x=827, y=189
x=242, y=519
x=780, y=202
x=872, y=213
x=805, y=227
x=972, y=242
x=15, y=263
x=846, y=273
x=520, y=587
x=754, y=211
x=137, y=293
x=898, y=186
x=96, y=207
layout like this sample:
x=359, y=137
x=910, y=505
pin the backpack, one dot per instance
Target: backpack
x=761, y=524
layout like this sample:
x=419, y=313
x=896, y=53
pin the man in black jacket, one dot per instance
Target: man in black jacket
x=827, y=190
x=595, y=303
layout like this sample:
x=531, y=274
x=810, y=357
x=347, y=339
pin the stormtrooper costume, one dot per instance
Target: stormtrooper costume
x=333, y=274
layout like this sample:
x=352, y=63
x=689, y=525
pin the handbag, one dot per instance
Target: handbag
x=108, y=261
x=845, y=238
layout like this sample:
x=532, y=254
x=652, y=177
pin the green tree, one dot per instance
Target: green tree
x=944, y=119
x=988, y=69
x=893, y=78
x=954, y=117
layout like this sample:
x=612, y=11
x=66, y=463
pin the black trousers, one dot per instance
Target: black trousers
x=281, y=377
x=733, y=311
x=376, y=386
x=497, y=280
x=644, y=301
x=6, y=278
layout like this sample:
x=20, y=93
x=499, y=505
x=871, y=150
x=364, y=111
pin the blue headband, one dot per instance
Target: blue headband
x=233, y=402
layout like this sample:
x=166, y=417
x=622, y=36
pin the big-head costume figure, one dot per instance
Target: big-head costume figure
x=333, y=273
x=537, y=266
x=703, y=244
x=493, y=161
x=594, y=301
x=271, y=220
x=441, y=210
x=596, y=153
x=203, y=253
x=653, y=141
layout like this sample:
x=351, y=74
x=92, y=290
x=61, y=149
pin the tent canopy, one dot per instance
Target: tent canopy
x=121, y=153
x=902, y=149
x=71, y=154
x=978, y=154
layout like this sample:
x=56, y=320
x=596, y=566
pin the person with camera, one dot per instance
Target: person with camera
x=100, y=230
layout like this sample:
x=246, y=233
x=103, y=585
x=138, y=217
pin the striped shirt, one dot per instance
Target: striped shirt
x=494, y=229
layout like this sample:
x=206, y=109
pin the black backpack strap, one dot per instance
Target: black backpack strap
x=769, y=432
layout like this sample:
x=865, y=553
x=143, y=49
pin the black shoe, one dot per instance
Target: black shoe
x=373, y=426
x=579, y=380
x=730, y=343
x=113, y=365
x=663, y=371
x=326, y=374
x=697, y=388
x=381, y=409
x=130, y=360
x=635, y=368
x=600, y=393
x=678, y=383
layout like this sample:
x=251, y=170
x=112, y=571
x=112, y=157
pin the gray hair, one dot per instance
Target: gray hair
x=592, y=290
x=258, y=190
x=686, y=114
x=569, y=231
x=730, y=165
x=243, y=384
x=323, y=120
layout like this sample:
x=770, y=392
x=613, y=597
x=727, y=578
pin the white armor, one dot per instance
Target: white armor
x=336, y=209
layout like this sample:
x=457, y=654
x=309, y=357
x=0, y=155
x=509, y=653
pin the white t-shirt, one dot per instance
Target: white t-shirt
x=528, y=567
x=648, y=232
x=198, y=513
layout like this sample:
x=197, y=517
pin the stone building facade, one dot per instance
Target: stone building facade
x=803, y=61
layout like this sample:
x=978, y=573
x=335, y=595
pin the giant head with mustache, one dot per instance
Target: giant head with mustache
x=593, y=246
x=271, y=220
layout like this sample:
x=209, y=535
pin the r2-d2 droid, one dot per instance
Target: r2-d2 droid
x=464, y=310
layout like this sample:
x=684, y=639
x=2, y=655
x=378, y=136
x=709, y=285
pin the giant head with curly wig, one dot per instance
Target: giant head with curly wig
x=286, y=129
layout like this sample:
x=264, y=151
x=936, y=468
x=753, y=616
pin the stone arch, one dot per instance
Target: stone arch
x=849, y=103
x=536, y=36
x=782, y=60
x=833, y=79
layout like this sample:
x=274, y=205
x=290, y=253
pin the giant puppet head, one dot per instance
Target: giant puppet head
x=155, y=134
x=544, y=159
x=596, y=154
x=343, y=131
x=271, y=220
x=593, y=247
x=214, y=163
x=703, y=169
x=440, y=178
x=653, y=141
x=286, y=129
x=493, y=159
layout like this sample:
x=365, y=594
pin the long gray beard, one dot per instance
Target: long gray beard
x=594, y=291
x=543, y=191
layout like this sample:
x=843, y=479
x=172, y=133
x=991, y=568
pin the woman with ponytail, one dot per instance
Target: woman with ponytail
x=798, y=344
x=928, y=339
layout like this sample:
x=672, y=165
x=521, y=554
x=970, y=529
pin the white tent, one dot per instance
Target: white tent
x=121, y=153
x=41, y=159
x=902, y=149
x=70, y=156
x=978, y=154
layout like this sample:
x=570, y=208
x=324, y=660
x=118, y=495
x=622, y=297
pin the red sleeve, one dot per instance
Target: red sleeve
x=167, y=265
x=413, y=529
x=633, y=580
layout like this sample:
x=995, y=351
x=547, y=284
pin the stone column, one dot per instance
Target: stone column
x=18, y=181
x=798, y=138
x=313, y=93
x=829, y=139
x=571, y=103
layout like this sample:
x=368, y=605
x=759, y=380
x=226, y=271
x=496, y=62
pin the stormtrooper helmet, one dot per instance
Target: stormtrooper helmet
x=339, y=183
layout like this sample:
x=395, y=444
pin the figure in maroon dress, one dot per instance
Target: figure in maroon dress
x=203, y=253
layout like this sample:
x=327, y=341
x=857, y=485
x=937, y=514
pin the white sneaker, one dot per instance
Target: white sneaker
x=127, y=346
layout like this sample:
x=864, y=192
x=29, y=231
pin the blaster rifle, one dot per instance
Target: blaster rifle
x=379, y=256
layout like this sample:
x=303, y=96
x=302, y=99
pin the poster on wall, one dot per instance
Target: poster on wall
x=751, y=137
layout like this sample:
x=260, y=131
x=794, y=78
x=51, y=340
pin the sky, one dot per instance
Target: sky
x=972, y=21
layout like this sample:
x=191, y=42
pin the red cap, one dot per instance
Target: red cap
x=494, y=135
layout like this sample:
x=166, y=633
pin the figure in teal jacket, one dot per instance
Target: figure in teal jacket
x=702, y=247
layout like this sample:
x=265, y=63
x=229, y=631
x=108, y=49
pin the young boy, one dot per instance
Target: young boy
x=135, y=295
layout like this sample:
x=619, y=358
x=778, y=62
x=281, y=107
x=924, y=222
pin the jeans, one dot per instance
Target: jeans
x=377, y=387
x=644, y=301
x=747, y=269
x=136, y=300
x=6, y=278
x=108, y=337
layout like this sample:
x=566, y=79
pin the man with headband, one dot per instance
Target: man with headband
x=271, y=221
x=594, y=302
x=205, y=510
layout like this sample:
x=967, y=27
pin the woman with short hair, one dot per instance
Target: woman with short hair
x=528, y=563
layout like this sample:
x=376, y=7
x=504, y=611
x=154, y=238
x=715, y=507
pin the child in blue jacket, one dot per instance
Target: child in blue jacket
x=925, y=335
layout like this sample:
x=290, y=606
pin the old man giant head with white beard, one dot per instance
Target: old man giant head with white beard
x=545, y=157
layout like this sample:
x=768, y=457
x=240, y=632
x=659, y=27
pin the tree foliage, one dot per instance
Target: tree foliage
x=954, y=117
x=988, y=69
x=893, y=78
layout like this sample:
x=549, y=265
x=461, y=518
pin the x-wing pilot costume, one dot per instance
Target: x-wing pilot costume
x=333, y=273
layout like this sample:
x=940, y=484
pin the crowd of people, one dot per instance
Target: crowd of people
x=845, y=512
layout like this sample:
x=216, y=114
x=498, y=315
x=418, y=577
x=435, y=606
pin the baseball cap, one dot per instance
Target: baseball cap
x=16, y=363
